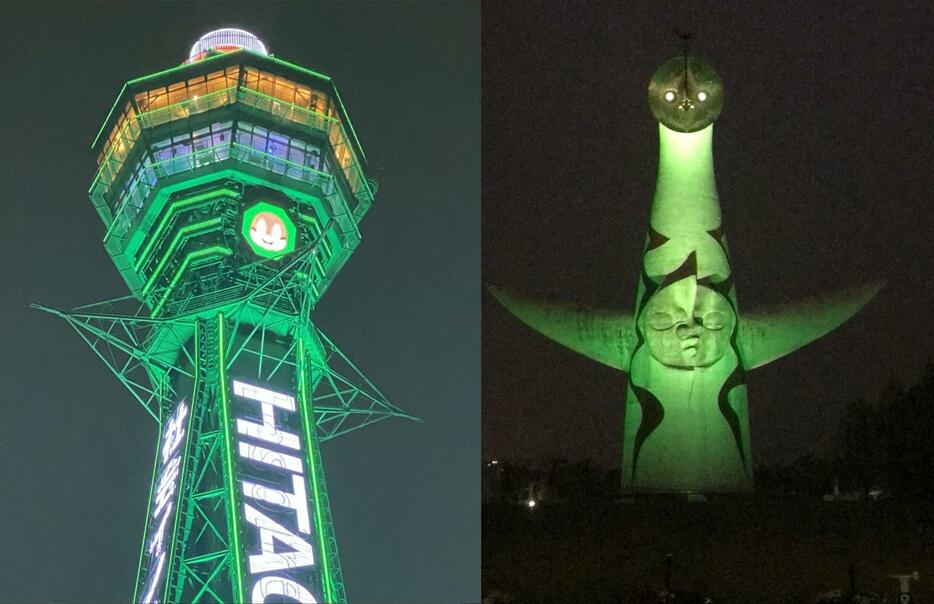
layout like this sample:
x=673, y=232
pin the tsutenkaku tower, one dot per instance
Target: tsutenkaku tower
x=231, y=188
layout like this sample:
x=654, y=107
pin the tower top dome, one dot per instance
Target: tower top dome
x=226, y=39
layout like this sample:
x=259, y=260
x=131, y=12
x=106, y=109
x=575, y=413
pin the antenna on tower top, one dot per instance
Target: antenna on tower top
x=686, y=38
x=685, y=47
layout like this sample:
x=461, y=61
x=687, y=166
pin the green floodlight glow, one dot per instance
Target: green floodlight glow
x=686, y=349
x=268, y=230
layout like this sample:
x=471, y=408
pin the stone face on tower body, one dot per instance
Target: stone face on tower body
x=231, y=189
x=686, y=348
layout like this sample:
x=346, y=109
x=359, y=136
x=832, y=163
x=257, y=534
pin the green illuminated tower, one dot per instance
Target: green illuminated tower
x=231, y=188
x=686, y=349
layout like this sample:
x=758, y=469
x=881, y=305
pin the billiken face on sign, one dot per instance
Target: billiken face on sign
x=268, y=232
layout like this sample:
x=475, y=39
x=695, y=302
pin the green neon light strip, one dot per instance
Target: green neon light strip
x=352, y=167
x=343, y=110
x=177, y=205
x=349, y=125
x=109, y=113
x=183, y=232
x=317, y=233
x=184, y=469
x=184, y=66
x=309, y=444
x=142, y=547
x=208, y=251
x=246, y=91
x=205, y=102
x=305, y=70
x=157, y=168
x=181, y=67
x=228, y=454
x=245, y=155
x=149, y=77
x=303, y=168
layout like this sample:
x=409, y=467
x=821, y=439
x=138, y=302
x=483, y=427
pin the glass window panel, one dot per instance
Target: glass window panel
x=198, y=89
x=162, y=150
x=303, y=96
x=313, y=159
x=251, y=78
x=296, y=156
x=181, y=148
x=176, y=96
x=266, y=83
x=158, y=99
x=285, y=90
x=142, y=101
x=217, y=83
x=278, y=144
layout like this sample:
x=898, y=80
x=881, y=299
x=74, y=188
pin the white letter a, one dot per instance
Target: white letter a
x=269, y=530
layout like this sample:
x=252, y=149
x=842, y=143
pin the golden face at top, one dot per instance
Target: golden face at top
x=688, y=325
x=685, y=94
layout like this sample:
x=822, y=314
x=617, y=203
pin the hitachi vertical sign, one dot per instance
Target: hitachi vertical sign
x=275, y=516
x=161, y=526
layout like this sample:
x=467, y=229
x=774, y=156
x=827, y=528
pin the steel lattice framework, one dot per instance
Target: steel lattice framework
x=216, y=341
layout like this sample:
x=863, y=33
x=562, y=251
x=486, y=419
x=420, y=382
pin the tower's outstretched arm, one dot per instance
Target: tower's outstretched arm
x=771, y=333
x=604, y=336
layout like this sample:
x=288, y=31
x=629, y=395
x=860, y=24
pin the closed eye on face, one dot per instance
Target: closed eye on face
x=660, y=321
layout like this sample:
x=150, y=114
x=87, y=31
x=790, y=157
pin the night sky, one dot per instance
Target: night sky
x=823, y=163
x=75, y=449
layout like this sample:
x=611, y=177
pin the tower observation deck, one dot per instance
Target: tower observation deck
x=231, y=189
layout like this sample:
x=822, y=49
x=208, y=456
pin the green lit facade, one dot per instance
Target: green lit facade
x=231, y=189
x=686, y=349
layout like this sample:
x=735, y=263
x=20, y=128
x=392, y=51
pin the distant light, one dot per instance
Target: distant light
x=227, y=39
x=531, y=503
x=702, y=96
x=494, y=462
x=669, y=96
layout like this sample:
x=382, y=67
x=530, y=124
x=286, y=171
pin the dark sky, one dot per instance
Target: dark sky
x=76, y=451
x=823, y=165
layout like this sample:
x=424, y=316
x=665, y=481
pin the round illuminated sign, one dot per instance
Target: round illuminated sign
x=268, y=230
x=226, y=40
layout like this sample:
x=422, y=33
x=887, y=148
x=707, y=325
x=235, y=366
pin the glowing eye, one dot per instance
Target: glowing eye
x=669, y=96
x=702, y=96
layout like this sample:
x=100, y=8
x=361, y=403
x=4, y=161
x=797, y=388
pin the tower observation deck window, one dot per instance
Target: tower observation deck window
x=280, y=153
x=187, y=151
x=284, y=89
x=157, y=98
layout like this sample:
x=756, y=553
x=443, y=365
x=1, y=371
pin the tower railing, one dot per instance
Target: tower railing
x=326, y=127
